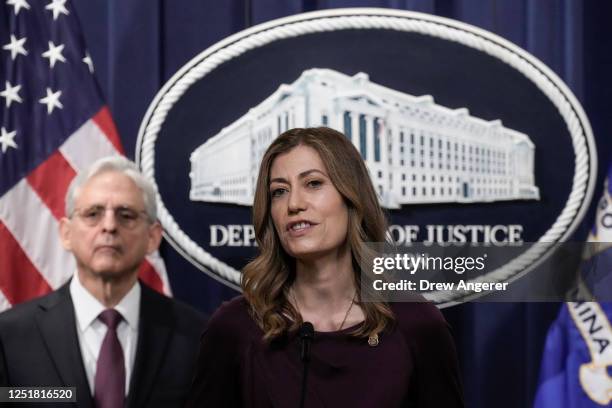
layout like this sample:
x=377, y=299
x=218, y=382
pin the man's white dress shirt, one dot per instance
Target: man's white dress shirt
x=91, y=331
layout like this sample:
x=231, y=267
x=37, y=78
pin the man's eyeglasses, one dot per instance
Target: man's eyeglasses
x=125, y=216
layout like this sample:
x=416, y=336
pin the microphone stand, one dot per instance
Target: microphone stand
x=306, y=334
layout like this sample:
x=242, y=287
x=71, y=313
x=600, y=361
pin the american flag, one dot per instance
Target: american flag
x=53, y=124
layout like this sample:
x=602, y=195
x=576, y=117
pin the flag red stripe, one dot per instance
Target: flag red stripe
x=105, y=122
x=148, y=275
x=50, y=180
x=19, y=279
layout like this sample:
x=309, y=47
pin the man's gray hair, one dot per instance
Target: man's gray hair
x=114, y=164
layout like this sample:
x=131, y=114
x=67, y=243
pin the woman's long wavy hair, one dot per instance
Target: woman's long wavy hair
x=267, y=279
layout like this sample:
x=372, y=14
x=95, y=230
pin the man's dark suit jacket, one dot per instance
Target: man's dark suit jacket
x=39, y=347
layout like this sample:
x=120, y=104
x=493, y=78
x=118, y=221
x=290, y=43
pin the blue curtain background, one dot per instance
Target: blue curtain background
x=137, y=45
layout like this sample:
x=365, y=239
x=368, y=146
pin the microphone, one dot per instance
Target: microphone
x=306, y=334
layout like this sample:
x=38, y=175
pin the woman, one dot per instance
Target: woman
x=314, y=206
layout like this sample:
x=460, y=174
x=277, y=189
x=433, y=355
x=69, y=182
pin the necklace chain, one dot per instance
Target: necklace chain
x=348, y=310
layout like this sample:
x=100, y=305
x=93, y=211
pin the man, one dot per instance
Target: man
x=105, y=333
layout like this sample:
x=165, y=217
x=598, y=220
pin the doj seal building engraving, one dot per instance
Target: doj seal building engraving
x=466, y=136
x=436, y=154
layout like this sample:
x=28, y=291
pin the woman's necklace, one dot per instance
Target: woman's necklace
x=348, y=310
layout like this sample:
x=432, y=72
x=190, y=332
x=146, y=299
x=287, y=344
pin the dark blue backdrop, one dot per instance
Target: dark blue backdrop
x=137, y=45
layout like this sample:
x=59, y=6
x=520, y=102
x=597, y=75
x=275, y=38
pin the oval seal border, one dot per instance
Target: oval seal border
x=548, y=82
